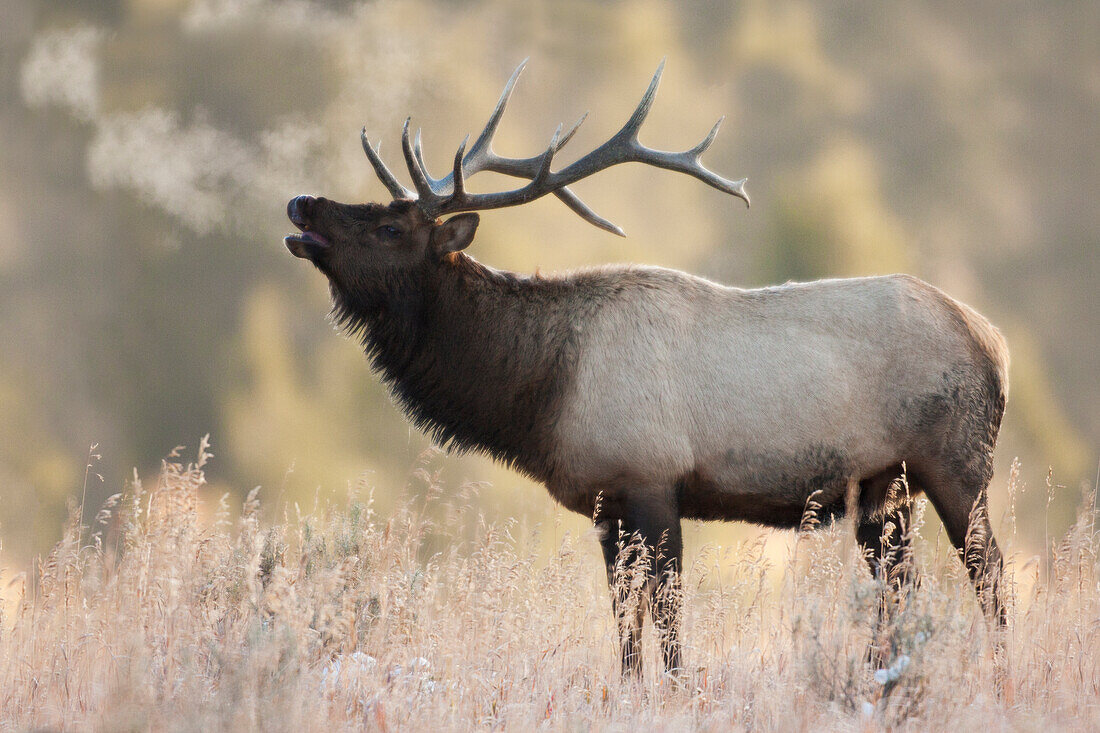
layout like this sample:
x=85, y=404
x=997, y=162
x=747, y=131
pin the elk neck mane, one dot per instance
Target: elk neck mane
x=478, y=358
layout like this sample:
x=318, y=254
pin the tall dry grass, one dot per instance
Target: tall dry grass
x=429, y=618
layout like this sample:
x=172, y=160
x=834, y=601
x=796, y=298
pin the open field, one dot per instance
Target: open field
x=171, y=615
x=148, y=152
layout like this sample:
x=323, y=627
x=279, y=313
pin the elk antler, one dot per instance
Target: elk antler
x=447, y=195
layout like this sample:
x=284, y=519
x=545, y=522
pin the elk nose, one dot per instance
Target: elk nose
x=298, y=209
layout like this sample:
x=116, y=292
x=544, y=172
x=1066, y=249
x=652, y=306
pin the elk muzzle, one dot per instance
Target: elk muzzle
x=308, y=244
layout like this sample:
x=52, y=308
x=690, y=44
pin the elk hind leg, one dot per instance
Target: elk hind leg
x=957, y=483
x=964, y=511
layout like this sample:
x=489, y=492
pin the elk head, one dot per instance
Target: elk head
x=359, y=247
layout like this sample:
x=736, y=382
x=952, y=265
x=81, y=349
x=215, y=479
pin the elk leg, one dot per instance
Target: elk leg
x=668, y=596
x=957, y=482
x=887, y=547
x=966, y=519
x=643, y=549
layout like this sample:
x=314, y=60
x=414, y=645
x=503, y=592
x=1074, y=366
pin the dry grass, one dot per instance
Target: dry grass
x=430, y=619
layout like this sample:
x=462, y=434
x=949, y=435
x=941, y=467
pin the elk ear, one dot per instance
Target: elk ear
x=455, y=234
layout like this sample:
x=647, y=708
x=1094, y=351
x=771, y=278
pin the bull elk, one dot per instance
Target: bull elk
x=642, y=396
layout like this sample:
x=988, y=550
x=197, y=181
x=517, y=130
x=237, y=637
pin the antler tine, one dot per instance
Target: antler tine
x=701, y=148
x=426, y=196
x=438, y=185
x=484, y=142
x=547, y=158
x=456, y=175
x=688, y=162
x=582, y=210
x=388, y=179
x=634, y=124
x=572, y=131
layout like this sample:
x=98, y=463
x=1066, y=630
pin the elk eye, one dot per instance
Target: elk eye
x=388, y=231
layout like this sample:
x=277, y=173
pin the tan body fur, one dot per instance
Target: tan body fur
x=680, y=376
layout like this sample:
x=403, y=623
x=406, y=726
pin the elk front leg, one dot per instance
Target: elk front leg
x=643, y=549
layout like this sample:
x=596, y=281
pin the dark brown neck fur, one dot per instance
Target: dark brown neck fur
x=478, y=358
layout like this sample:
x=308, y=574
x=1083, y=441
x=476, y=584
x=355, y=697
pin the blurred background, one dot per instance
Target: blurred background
x=148, y=149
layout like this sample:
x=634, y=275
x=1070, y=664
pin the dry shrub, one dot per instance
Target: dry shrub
x=431, y=618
